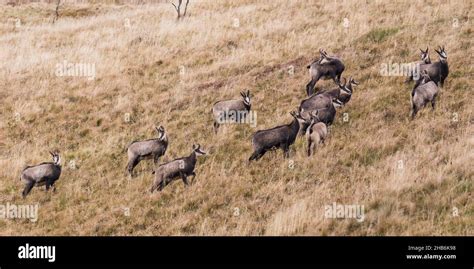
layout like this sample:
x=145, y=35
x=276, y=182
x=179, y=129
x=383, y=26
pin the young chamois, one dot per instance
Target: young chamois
x=178, y=168
x=148, y=149
x=316, y=133
x=324, y=68
x=46, y=173
x=426, y=91
x=278, y=137
x=231, y=110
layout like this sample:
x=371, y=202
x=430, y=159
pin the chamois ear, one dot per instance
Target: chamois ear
x=248, y=93
x=52, y=153
x=242, y=94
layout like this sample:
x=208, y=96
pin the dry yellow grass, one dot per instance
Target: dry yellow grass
x=224, y=47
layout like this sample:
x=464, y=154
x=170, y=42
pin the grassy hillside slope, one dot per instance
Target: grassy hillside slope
x=409, y=175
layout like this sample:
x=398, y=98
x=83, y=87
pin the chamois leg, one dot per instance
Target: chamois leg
x=286, y=151
x=47, y=185
x=413, y=111
x=156, y=184
x=309, y=148
x=163, y=184
x=156, y=158
x=28, y=188
x=131, y=165
x=193, y=175
x=257, y=154
x=310, y=86
x=433, y=102
x=185, y=179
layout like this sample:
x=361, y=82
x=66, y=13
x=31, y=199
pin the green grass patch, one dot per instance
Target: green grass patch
x=379, y=35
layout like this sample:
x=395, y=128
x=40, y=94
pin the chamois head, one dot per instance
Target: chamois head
x=314, y=116
x=323, y=56
x=56, y=158
x=161, y=133
x=297, y=115
x=353, y=81
x=246, y=97
x=197, y=150
x=343, y=87
x=425, y=77
x=442, y=54
x=337, y=103
x=424, y=54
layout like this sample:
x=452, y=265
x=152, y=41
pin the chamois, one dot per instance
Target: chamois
x=324, y=68
x=325, y=102
x=178, y=168
x=316, y=133
x=346, y=94
x=423, y=93
x=425, y=56
x=425, y=59
x=222, y=111
x=438, y=71
x=341, y=90
x=148, y=149
x=282, y=136
x=46, y=173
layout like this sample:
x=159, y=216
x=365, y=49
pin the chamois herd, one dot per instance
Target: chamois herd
x=311, y=119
